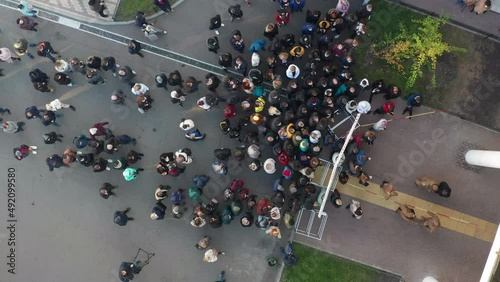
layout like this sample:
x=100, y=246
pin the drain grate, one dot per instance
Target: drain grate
x=460, y=157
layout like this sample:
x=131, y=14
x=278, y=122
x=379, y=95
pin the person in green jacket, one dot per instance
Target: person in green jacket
x=131, y=173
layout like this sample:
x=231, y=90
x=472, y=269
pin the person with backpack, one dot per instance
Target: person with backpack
x=54, y=161
x=23, y=151
x=52, y=137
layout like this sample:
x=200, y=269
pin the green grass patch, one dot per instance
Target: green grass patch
x=127, y=8
x=317, y=266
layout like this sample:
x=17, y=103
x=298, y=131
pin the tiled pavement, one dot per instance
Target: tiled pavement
x=77, y=9
x=450, y=219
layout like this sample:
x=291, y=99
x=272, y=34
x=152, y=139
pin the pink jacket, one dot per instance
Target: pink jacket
x=343, y=6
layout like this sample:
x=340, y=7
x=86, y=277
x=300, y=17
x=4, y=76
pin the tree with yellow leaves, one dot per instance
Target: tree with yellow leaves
x=409, y=51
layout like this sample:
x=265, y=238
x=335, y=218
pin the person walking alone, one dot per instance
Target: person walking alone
x=121, y=218
x=414, y=100
x=215, y=24
x=135, y=48
x=12, y=127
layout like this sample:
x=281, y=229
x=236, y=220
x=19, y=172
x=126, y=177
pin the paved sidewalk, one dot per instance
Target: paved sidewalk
x=449, y=218
x=77, y=9
x=488, y=23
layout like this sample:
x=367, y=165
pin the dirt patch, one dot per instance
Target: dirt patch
x=470, y=79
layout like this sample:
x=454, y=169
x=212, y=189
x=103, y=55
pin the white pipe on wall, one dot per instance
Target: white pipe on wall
x=483, y=158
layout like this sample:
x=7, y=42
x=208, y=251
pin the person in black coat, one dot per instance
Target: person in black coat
x=393, y=92
x=33, y=112
x=161, y=81
x=126, y=74
x=212, y=81
x=225, y=61
x=140, y=19
x=215, y=24
x=100, y=165
x=51, y=137
x=63, y=79
x=94, y=62
x=50, y=118
x=133, y=156
x=237, y=41
x=164, y=5
x=246, y=220
x=213, y=44
x=271, y=31
x=109, y=64
x=127, y=271
x=54, y=161
x=97, y=146
x=121, y=218
x=240, y=65
x=364, y=12
x=175, y=79
x=106, y=190
x=235, y=12
x=85, y=159
x=134, y=48
x=158, y=212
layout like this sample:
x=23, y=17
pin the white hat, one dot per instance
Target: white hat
x=176, y=209
x=253, y=151
x=270, y=166
x=93, y=130
x=363, y=107
x=275, y=213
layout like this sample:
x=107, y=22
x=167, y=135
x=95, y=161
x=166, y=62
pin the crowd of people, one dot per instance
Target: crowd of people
x=286, y=99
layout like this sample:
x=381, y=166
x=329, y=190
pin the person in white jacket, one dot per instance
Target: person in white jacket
x=380, y=125
x=186, y=124
x=355, y=208
x=57, y=105
x=292, y=72
x=139, y=89
x=62, y=66
x=7, y=56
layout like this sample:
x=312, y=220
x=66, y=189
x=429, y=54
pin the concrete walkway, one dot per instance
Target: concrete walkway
x=450, y=219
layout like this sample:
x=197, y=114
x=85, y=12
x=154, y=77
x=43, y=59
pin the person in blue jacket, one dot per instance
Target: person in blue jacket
x=27, y=9
x=414, y=100
x=297, y=5
x=258, y=45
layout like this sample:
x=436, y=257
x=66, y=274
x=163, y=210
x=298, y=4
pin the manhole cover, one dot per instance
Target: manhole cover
x=460, y=156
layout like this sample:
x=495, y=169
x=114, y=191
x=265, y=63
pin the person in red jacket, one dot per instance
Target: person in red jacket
x=387, y=108
x=98, y=129
x=263, y=206
x=282, y=17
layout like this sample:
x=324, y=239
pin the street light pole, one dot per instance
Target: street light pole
x=336, y=165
